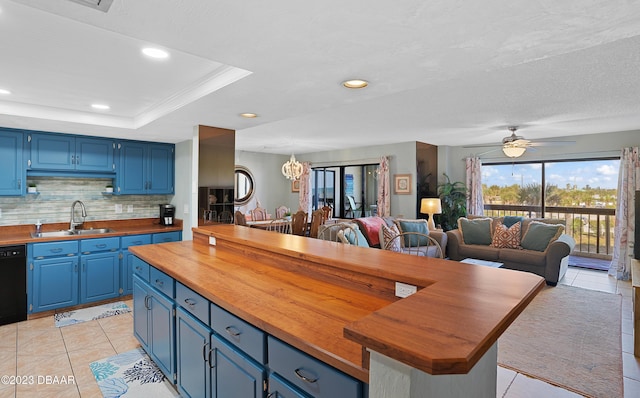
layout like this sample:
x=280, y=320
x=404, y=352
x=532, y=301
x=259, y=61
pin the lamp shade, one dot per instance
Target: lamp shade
x=430, y=206
x=513, y=151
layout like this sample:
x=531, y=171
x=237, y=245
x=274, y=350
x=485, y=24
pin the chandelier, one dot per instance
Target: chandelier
x=292, y=169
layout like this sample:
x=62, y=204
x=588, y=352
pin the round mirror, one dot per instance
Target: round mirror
x=244, y=185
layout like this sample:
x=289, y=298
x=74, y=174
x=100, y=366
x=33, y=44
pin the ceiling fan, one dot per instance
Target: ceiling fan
x=515, y=146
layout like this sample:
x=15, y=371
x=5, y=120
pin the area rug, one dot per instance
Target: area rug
x=88, y=314
x=131, y=374
x=568, y=337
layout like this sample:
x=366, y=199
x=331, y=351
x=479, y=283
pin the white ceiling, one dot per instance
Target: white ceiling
x=445, y=72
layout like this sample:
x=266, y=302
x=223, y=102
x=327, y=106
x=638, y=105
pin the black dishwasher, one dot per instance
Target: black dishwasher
x=13, y=289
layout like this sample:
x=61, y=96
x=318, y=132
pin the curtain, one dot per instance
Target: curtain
x=623, y=233
x=384, y=196
x=475, y=204
x=304, y=196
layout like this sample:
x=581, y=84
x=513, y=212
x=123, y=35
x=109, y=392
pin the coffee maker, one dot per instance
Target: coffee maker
x=167, y=213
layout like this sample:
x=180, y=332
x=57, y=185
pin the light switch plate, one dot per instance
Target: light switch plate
x=118, y=208
x=129, y=208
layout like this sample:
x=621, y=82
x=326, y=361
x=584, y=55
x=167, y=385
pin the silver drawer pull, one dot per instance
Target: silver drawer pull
x=159, y=282
x=304, y=378
x=191, y=302
x=56, y=250
x=233, y=331
x=101, y=245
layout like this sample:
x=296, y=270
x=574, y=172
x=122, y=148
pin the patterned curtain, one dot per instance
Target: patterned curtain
x=304, y=198
x=384, y=195
x=623, y=233
x=475, y=204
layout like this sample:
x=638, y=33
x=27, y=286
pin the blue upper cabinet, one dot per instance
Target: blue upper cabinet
x=57, y=152
x=13, y=176
x=145, y=168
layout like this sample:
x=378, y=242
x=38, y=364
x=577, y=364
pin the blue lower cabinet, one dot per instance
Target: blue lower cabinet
x=279, y=388
x=127, y=268
x=164, y=237
x=193, y=349
x=54, y=283
x=100, y=278
x=154, y=325
x=234, y=375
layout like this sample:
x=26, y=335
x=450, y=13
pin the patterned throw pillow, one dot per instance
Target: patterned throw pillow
x=388, y=233
x=504, y=237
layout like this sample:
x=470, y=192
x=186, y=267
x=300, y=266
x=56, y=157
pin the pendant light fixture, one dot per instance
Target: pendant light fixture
x=292, y=169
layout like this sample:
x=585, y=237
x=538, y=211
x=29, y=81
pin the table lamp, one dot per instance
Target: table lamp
x=431, y=206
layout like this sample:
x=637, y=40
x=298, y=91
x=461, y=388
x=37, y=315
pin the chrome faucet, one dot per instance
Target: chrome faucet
x=73, y=224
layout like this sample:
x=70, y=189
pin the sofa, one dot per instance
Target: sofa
x=533, y=253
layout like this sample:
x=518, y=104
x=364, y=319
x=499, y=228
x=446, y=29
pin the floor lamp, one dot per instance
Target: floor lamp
x=431, y=206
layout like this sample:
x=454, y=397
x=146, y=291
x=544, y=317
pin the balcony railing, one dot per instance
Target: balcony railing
x=592, y=228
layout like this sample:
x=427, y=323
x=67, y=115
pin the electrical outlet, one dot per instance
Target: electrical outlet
x=118, y=209
x=0, y=212
x=129, y=208
x=404, y=290
x=186, y=209
x=212, y=240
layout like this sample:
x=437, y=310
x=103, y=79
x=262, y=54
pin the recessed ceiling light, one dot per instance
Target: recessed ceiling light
x=3, y=91
x=102, y=107
x=248, y=115
x=355, y=83
x=155, y=52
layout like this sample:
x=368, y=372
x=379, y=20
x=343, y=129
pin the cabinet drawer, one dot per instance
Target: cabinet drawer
x=141, y=269
x=99, y=244
x=309, y=374
x=192, y=302
x=50, y=249
x=161, y=281
x=135, y=240
x=243, y=335
x=166, y=237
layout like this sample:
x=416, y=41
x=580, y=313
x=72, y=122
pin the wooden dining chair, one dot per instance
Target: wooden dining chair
x=239, y=218
x=258, y=214
x=299, y=223
x=281, y=211
x=225, y=217
x=327, y=211
x=317, y=219
x=279, y=225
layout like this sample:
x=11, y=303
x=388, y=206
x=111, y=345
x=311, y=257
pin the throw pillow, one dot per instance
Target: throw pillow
x=539, y=235
x=353, y=237
x=507, y=237
x=388, y=233
x=476, y=231
x=510, y=220
x=419, y=225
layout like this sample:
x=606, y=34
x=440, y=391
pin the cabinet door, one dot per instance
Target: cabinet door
x=278, y=388
x=52, y=152
x=141, y=311
x=234, y=375
x=12, y=178
x=162, y=332
x=164, y=237
x=55, y=283
x=131, y=174
x=160, y=175
x=94, y=154
x=126, y=272
x=100, y=277
x=192, y=353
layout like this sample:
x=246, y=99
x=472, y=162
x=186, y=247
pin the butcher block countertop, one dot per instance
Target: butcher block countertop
x=335, y=301
x=21, y=234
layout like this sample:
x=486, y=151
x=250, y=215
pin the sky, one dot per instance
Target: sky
x=594, y=173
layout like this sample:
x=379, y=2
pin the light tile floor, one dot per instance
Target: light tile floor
x=38, y=348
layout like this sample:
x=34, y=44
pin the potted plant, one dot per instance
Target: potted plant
x=32, y=188
x=287, y=216
x=108, y=188
x=453, y=196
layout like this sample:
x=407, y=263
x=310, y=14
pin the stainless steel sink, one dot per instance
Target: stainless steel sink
x=68, y=232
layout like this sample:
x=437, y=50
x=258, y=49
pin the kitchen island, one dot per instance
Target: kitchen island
x=337, y=302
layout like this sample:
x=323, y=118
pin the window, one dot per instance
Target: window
x=352, y=191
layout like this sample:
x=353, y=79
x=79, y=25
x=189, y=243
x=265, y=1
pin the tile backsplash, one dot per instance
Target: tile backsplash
x=56, y=194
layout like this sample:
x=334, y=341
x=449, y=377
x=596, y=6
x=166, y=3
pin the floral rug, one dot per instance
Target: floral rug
x=88, y=314
x=131, y=374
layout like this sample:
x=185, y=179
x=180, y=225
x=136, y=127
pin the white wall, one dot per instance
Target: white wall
x=271, y=188
x=183, y=198
x=451, y=159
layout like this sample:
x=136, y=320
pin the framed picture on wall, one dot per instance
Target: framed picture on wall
x=402, y=184
x=295, y=186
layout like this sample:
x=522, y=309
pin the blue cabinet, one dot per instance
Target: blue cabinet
x=145, y=168
x=13, y=176
x=53, y=275
x=192, y=355
x=234, y=375
x=163, y=237
x=127, y=267
x=100, y=269
x=279, y=388
x=61, y=152
x=154, y=325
